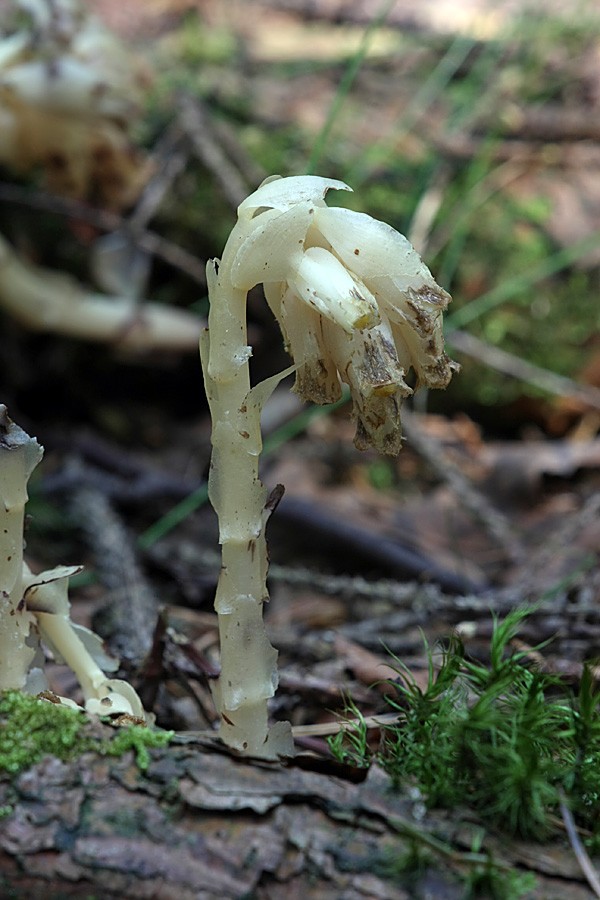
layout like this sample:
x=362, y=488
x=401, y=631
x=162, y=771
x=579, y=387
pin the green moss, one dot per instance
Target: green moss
x=33, y=728
x=138, y=738
x=502, y=738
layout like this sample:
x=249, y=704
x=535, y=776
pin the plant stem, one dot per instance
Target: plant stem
x=248, y=661
x=19, y=454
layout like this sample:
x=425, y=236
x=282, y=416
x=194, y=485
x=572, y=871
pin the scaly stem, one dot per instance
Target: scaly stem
x=19, y=454
x=248, y=661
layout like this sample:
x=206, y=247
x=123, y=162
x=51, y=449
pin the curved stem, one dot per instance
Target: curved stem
x=248, y=661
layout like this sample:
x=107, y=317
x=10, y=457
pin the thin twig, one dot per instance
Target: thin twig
x=119, y=264
x=209, y=150
x=322, y=729
x=134, y=607
x=512, y=365
x=155, y=191
x=252, y=172
x=463, y=145
x=107, y=221
x=578, y=848
x=497, y=525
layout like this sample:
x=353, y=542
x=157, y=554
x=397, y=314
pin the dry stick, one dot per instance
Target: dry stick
x=208, y=149
x=172, y=159
x=323, y=729
x=136, y=483
x=119, y=263
x=252, y=172
x=555, y=122
x=428, y=208
x=578, y=848
x=129, y=481
x=512, y=365
x=363, y=542
x=497, y=525
x=465, y=146
x=107, y=221
x=134, y=607
x=563, y=537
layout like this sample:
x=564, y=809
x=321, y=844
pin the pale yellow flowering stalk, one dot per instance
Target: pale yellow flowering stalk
x=48, y=301
x=19, y=455
x=354, y=302
x=37, y=605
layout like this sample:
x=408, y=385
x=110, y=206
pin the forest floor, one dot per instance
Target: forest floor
x=492, y=506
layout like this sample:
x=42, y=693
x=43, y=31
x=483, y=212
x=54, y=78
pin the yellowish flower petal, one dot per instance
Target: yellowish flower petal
x=370, y=248
x=368, y=362
x=323, y=283
x=302, y=329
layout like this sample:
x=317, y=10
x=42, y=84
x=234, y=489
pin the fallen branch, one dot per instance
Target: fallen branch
x=107, y=221
x=515, y=367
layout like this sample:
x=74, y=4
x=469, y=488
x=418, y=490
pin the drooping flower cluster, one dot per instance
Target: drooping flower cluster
x=352, y=297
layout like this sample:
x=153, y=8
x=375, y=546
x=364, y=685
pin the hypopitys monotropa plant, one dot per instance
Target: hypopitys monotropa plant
x=355, y=303
x=34, y=606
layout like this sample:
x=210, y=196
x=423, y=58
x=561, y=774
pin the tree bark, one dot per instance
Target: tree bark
x=202, y=825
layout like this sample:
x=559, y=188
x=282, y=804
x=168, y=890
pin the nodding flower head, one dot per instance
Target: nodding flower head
x=352, y=297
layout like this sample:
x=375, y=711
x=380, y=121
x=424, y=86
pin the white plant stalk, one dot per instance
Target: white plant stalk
x=355, y=303
x=47, y=301
x=248, y=661
x=47, y=598
x=19, y=455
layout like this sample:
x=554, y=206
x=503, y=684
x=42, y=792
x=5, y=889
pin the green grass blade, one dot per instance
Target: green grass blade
x=345, y=84
x=521, y=282
x=173, y=518
x=198, y=498
x=377, y=155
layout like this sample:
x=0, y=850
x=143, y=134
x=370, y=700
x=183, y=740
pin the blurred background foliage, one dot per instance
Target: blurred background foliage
x=473, y=142
x=473, y=130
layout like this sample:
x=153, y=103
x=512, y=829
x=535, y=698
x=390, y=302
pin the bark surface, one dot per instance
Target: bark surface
x=201, y=825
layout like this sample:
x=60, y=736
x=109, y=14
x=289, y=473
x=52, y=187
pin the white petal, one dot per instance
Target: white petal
x=115, y=697
x=95, y=647
x=371, y=248
x=273, y=248
x=281, y=193
x=302, y=330
x=417, y=325
x=325, y=285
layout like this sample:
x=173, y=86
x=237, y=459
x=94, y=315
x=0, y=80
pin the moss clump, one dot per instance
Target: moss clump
x=504, y=738
x=138, y=738
x=32, y=728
